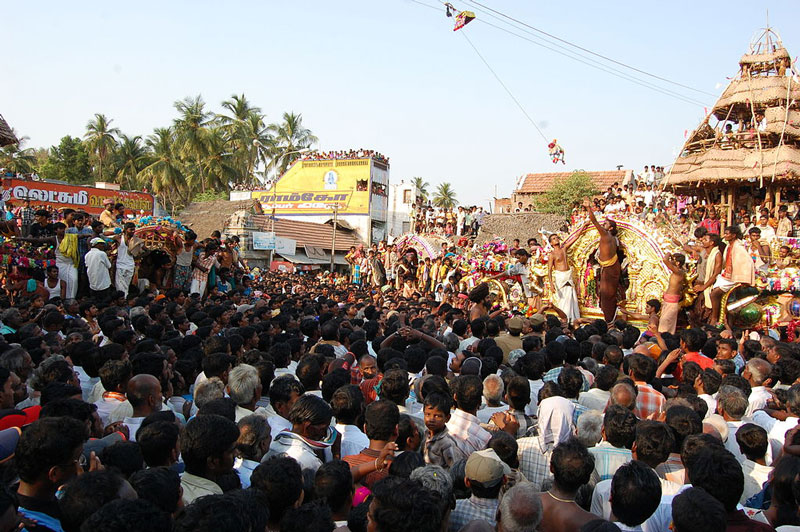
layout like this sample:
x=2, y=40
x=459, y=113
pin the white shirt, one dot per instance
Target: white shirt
x=124, y=257
x=353, y=439
x=97, y=269
x=277, y=422
x=105, y=406
x=710, y=401
x=601, y=505
x=757, y=400
x=485, y=412
x=730, y=443
x=133, y=424
x=241, y=412
x=465, y=343
x=87, y=382
x=594, y=399
x=532, y=408
x=245, y=469
x=776, y=430
x=754, y=477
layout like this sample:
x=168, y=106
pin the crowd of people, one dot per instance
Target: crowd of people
x=215, y=398
x=7, y=172
x=446, y=221
x=311, y=406
x=360, y=153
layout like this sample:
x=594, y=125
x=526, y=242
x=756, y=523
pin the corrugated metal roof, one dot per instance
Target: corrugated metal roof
x=539, y=183
x=307, y=233
x=302, y=258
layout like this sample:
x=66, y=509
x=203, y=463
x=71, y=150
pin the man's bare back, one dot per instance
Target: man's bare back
x=677, y=277
x=562, y=517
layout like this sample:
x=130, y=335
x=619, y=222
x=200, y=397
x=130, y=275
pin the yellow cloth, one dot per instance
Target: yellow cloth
x=108, y=219
x=607, y=263
x=69, y=247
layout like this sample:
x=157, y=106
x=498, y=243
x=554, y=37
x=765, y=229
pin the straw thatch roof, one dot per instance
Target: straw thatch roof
x=6, y=134
x=207, y=216
x=522, y=225
x=781, y=123
x=717, y=165
x=766, y=57
x=757, y=91
x=743, y=145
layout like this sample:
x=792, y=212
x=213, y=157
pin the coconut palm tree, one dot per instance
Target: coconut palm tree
x=219, y=168
x=192, y=129
x=247, y=134
x=290, y=139
x=101, y=139
x=16, y=158
x=165, y=171
x=445, y=196
x=131, y=158
x=421, y=186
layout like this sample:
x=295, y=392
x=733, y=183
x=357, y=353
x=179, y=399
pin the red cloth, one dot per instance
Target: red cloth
x=368, y=455
x=701, y=360
x=19, y=418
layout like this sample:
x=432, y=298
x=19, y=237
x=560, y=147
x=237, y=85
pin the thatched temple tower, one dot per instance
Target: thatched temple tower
x=752, y=134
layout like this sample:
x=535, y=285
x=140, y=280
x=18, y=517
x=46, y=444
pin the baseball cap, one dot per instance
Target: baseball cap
x=97, y=240
x=8, y=443
x=486, y=467
x=515, y=324
x=537, y=319
x=244, y=308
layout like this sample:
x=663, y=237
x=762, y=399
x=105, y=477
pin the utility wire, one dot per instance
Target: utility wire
x=521, y=108
x=581, y=59
x=603, y=68
x=620, y=63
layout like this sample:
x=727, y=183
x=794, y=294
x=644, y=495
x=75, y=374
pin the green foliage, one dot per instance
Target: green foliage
x=201, y=155
x=210, y=195
x=69, y=161
x=445, y=196
x=563, y=195
x=422, y=187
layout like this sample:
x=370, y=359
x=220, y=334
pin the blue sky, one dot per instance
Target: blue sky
x=388, y=75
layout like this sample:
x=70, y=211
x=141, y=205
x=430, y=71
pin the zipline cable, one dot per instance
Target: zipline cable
x=620, y=63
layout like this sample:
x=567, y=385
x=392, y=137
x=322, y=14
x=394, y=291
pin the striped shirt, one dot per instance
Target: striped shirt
x=467, y=431
x=534, y=462
x=607, y=459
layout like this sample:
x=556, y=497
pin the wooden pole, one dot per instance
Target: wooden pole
x=777, y=196
x=731, y=203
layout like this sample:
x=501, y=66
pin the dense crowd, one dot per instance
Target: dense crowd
x=360, y=153
x=199, y=395
x=317, y=407
x=446, y=221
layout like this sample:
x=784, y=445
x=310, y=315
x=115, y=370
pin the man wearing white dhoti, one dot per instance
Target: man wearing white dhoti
x=560, y=275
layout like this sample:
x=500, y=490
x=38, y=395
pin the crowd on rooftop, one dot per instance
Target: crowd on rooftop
x=360, y=153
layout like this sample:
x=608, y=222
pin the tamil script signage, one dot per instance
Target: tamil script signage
x=303, y=201
x=88, y=199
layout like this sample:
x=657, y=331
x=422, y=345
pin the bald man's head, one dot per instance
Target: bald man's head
x=144, y=394
x=624, y=395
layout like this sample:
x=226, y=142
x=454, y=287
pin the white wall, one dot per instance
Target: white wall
x=399, y=210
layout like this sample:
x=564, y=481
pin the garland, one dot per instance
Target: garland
x=26, y=254
x=148, y=221
x=791, y=330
